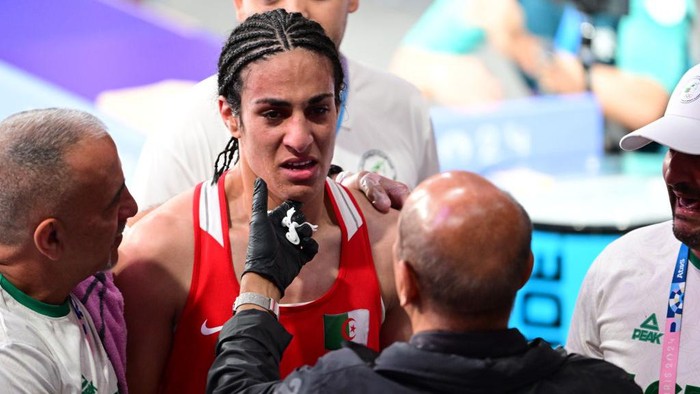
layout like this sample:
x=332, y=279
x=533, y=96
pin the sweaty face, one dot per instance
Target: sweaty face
x=286, y=126
x=103, y=204
x=331, y=14
x=682, y=176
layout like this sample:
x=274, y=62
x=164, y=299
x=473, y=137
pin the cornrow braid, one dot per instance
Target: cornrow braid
x=229, y=155
x=259, y=37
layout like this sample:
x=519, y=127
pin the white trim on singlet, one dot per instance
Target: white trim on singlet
x=210, y=211
x=210, y=216
x=351, y=217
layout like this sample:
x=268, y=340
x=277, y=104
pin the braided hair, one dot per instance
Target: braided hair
x=259, y=37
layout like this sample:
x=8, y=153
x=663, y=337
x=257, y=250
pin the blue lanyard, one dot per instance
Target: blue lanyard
x=343, y=96
x=343, y=93
x=672, y=334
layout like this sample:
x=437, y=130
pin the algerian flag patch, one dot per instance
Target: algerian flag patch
x=350, y=326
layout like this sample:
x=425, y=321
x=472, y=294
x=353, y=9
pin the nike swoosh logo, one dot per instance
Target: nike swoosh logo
x=209, y=330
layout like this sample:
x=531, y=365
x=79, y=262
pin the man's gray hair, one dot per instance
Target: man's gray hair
x=34, y=175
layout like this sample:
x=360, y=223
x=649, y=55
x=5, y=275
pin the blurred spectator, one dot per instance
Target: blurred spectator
x=455, y=52
x=629, y=53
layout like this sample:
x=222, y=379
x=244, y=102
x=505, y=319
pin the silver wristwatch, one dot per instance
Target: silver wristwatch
x=257, y=299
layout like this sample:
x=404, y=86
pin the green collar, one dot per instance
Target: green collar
x=43, y=308
x=694, y=260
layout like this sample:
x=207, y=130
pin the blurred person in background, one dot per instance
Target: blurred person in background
x=459, y=51
x=628, y=53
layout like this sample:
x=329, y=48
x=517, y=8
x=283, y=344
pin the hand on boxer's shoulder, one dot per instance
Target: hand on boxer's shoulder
x=382, y=192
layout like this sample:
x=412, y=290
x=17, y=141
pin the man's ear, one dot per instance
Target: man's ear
x=527, y=271
x=49, y=238
x=407, y=288
x=230, y=119
x=352, y=6
x=241, y=15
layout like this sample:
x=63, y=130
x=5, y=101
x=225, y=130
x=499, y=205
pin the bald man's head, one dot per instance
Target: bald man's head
x=468, y=243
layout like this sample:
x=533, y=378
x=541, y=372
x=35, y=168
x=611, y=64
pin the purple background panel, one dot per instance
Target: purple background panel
x=89, y=46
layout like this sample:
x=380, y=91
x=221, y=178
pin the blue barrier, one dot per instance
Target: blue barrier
x=544, y=306
x=501, y=134
x=575, y=218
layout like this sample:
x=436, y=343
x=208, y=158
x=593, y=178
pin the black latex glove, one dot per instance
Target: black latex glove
x=270, y=253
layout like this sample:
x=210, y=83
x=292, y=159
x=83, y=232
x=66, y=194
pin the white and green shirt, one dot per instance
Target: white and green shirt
x=50, y=348
x=621, y=309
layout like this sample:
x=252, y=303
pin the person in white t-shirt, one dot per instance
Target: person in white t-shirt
x=634, y=298
x=63, y=207
x=384, y=126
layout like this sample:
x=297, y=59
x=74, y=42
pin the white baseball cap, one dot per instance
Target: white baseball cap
x=679, y=128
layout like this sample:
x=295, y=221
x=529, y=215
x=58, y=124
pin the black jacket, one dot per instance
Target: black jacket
x=251, y=344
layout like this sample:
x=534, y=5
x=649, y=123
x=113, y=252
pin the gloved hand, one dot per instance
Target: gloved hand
x=280, y=242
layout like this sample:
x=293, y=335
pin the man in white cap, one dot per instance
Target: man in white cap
x=632, y=300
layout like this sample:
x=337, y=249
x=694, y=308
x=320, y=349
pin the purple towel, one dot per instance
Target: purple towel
x=106, y=306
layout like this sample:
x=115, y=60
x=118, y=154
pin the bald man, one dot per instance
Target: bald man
x=462, y=253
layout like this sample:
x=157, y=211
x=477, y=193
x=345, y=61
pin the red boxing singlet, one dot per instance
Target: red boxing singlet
x=351, y=309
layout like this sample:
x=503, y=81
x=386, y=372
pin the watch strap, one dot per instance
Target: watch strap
x=260, y=300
